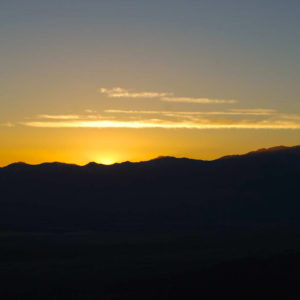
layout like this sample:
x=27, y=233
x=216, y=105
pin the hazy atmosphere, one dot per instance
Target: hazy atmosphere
x=149, y=150
x=110, y=81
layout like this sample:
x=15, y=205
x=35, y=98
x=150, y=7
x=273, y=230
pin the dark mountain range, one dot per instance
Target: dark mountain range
x=258, y=187
x=168, y=228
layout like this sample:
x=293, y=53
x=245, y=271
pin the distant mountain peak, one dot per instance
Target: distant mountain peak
x=92, y=164
x=266, y=151
x=272, y=149
x=160, y=160
x=18, y=164
x=164, y=157
x=55, y=164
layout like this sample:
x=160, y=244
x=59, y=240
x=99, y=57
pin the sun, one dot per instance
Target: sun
x=103, y=158
x=107, y=160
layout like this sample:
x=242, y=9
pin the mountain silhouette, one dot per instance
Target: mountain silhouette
x=167, y=228
x=258, y=187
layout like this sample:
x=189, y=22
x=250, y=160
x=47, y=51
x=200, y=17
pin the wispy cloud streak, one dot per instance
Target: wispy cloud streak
x=156, y=123
x=118, y=92
x=232, y=112
x=254, y=118
x=59, y=117
x=196, y=100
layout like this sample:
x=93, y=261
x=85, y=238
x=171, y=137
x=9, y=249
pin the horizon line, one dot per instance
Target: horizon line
x=274, y=148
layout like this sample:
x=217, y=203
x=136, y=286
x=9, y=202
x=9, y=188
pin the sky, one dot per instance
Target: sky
x=111, y=81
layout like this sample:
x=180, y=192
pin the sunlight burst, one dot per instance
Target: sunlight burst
x=106, y=160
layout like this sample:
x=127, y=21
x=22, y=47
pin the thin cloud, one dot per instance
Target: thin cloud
x=90, y=111
x=290, y=116
x=237, y=112
x=157, y=123
x=254, y=118
x=118, y=92
x=266, y=116
x=254, y=111
x=196, y=100
x=59, y=117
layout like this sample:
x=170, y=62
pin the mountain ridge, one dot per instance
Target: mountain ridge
x=261, y=151
x=254, y=188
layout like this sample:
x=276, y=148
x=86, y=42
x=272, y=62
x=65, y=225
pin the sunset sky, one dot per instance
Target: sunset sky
x=117, y=80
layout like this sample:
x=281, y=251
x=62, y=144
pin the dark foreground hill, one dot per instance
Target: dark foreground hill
x=167, y=228
x=257, y=188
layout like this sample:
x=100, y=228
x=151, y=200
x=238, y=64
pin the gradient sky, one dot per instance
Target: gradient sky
x=120, y=80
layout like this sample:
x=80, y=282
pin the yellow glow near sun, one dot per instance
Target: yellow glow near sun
x=106, y=160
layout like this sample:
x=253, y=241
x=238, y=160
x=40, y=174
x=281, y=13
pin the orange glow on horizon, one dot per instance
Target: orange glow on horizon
x=116, y=145
x=106, y=160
